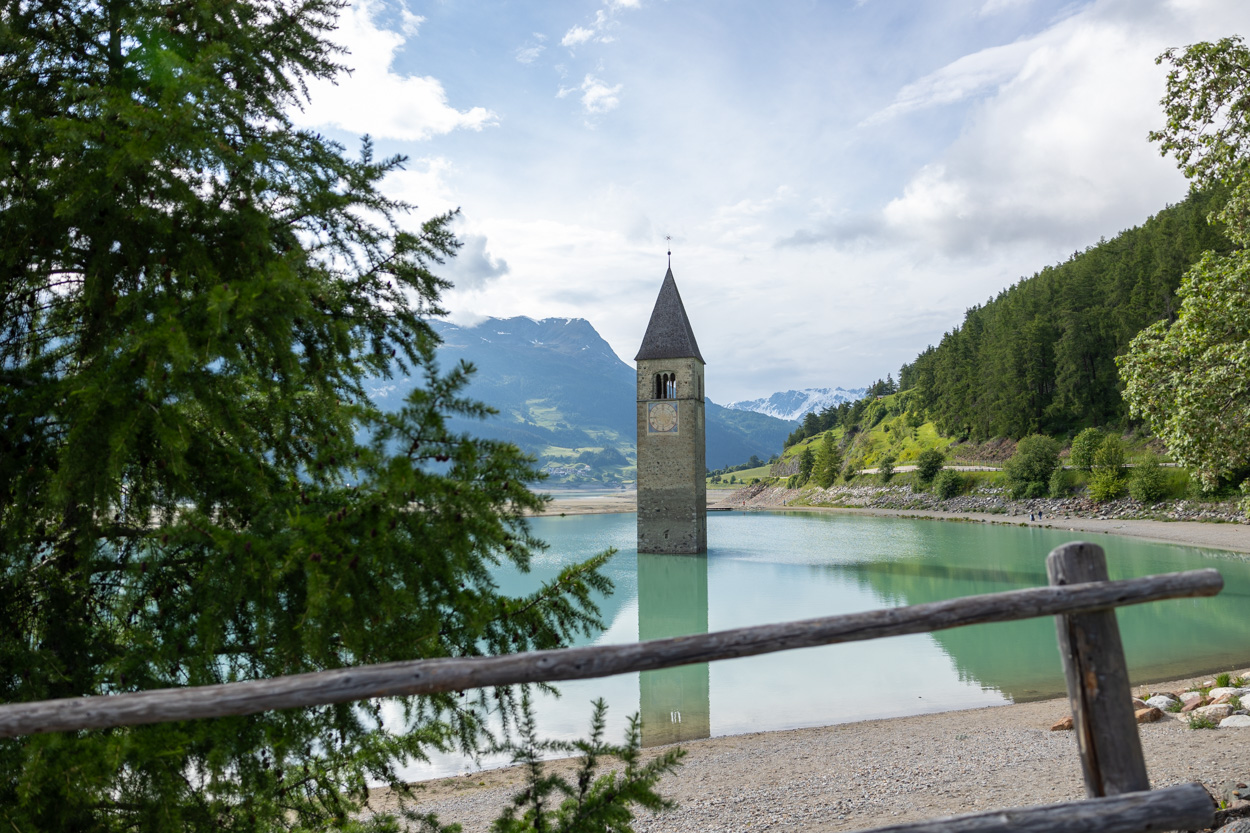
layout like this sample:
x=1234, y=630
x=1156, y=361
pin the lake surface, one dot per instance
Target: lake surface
x=765, y=567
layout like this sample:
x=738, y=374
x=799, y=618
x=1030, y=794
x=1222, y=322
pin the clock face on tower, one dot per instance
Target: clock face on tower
x=661, y=418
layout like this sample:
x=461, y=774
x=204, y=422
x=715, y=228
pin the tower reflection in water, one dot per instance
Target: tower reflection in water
x=672, y=601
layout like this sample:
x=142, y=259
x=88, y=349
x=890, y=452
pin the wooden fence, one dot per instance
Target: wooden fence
x=1080, y=597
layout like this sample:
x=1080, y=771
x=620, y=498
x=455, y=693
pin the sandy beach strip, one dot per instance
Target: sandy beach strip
x=858, y=775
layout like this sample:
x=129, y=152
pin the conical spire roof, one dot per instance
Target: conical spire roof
x=668, y=334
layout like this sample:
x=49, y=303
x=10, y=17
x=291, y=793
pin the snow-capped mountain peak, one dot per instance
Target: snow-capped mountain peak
x=796, y=404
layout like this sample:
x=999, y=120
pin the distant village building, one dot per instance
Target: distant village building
x=672, y=444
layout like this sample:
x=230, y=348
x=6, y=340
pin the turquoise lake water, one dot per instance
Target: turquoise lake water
x=764, y=567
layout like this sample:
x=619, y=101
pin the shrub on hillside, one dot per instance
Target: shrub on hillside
x=928, y=464
x=1060, y=483
x=1029, y=469
x=1105, y=485
x=1084, y=447
x=1109, y=480
x=885, y=467
x=949, y=484
x=1147, y=483
x=1110, y=455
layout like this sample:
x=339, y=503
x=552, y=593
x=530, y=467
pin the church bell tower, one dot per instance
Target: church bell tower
x=672, y=446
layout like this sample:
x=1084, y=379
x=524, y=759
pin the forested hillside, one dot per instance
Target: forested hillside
x=1040, y=357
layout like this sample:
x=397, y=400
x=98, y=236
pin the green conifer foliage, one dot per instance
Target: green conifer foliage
x=828, y=462
x=807, y=460
x=194, y=486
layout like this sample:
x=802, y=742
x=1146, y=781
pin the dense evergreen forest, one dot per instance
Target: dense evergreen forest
x=1040, y=357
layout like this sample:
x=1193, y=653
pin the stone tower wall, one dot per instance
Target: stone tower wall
x=672, y=491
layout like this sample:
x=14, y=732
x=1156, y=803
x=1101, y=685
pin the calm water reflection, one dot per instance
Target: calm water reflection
x=774, y=567
x=672, y=601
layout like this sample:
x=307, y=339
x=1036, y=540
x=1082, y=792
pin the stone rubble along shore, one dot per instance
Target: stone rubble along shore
x=992, y=501
x=1218, y=704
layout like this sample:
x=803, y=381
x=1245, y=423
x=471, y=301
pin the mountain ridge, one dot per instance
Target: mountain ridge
x=565, y=397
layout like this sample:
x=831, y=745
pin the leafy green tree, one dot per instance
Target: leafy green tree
x=928, y=464
x=828, y=461
x=194, y=486
x=1084, y=446
x=1190, y=380
x=1029, y=469
x=885, y=467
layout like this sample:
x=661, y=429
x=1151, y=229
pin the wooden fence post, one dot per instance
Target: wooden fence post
x=1097, y=677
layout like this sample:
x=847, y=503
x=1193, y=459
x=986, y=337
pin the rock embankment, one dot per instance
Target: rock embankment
x=987, y=501
x=1209, y=707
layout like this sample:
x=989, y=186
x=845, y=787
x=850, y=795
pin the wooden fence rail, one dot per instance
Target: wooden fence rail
x=456, y=674
x=1080, y=598
x=1183, y=807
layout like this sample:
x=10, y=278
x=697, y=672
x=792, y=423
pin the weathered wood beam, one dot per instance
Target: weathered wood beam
x=1097, y=677
x=456, y=674
x=1183, y=807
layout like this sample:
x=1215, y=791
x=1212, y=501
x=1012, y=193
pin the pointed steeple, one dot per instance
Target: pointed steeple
x=669, y=335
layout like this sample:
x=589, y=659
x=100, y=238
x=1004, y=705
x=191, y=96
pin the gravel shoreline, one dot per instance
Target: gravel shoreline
x=859, y=775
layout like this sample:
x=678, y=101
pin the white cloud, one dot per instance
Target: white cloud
x=474, y=267
x=598, y=30
x=410, y=23
x=597, y=96
x=529, y=54
x=996, y=6
x=423, y=183
x=1057, y=153
x=376, y=100
x=980, y=72
x=1052, y=152
x=577, y=35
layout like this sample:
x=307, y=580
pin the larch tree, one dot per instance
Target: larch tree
x=194, y=486
x=1190, y=380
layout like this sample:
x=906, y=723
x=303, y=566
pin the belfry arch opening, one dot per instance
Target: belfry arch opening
x=666, y=386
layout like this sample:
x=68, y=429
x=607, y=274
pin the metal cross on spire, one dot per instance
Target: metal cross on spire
x=669, y=239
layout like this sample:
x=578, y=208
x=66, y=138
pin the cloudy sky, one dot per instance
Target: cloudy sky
x=841, y=180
